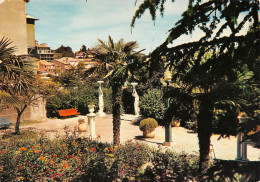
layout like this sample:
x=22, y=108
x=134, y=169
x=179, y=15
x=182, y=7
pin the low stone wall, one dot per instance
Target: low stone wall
x=33, y=112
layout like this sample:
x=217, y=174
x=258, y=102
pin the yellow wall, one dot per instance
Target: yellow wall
x=30, y=35
x=13, y=24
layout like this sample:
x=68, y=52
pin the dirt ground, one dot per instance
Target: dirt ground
x=183, y=140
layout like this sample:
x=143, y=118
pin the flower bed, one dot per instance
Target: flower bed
x=32, y=157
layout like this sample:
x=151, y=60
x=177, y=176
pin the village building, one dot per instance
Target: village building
x=17, y=26
x=43, y=52
x=80, y=55
x=46, y=67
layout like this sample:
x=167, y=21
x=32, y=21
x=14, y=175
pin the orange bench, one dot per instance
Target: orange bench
x=68, y=112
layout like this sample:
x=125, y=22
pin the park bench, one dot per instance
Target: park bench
x=4, y=122
x=68, y=112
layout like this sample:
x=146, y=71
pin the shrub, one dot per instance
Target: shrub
x=152, y=105
x=170, y=166
x=148, y=125
x=77, y=98
x=35, y=157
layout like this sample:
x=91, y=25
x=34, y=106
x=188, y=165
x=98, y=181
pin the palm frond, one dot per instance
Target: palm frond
x=5, y=48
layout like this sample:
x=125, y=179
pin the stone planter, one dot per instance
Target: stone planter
x=149, y=134
x=176, y=123
x=82, y=127
x=91, y=108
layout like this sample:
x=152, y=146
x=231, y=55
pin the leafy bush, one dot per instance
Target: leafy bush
x=78, y=98
x=170, y=166
x=148, y=125
x=152, y=105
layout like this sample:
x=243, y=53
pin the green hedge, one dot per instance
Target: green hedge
x=152, y=105
x=77, y=98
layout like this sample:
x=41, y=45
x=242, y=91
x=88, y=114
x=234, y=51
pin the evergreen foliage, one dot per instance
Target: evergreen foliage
x=152, y=105
x=228, y=77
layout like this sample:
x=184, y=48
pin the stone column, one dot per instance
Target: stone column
x=91, y=122
x=136, y=104
x=238, y=147
x=244, y=150
x=241, y=147
x=100, y=100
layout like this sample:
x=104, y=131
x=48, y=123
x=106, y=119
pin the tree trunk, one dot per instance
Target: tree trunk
x=17, y=125
x=18, y=120
x=205, y=118
x=117, y=94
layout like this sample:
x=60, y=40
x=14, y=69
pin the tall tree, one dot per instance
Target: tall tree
x=215, y=80
x=117, y=62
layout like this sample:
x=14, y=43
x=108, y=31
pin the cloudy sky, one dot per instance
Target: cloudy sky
x=76, y=22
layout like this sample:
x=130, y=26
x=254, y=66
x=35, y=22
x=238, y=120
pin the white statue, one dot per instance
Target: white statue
x=136, y=104
x=100, y=100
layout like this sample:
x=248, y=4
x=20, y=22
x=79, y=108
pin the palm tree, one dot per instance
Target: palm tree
x=16, y=79
x=8, y=69
x=117, y=62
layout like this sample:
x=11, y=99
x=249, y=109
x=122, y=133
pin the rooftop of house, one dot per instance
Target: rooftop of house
x=42, y=45
x=46, y=63
x=31, y=17
x=80, y=54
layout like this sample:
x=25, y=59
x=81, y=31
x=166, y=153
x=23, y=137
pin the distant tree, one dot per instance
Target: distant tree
x=65, y=50
x=83, y=48
x=226, y=78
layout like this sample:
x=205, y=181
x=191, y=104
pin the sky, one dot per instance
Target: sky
x=77, y=22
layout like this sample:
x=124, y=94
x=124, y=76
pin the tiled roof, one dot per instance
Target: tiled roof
x=46, y=63
x=42, y=45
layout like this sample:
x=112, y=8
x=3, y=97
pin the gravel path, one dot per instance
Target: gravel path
x=183, y=140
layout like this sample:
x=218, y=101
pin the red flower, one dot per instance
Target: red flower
x=20, y=167
x=54, y=155
x=33, y=147
x=36, y=151
x=3, y=152
x=63, y=145
x=67, y=156
x=66, y=165
x=93, y=149
x=111, y=149
x=137, y=149
x=123, y=166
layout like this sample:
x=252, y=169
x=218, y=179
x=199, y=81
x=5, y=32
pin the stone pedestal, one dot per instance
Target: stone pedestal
x=136, y=104
x=242, y=147
x=100, y=100
x=238, y=147
x=168, y=135
x=91, y=125
x=91, y=122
